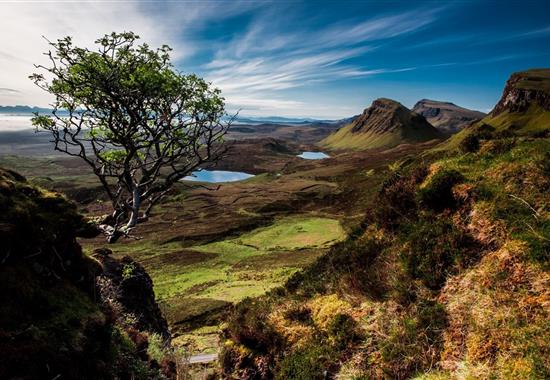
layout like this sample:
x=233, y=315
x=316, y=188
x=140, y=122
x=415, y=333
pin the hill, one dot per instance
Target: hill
x=448, y=276
x=523, y=110
x=385, y=124
x=445, y=116
x=23, y=109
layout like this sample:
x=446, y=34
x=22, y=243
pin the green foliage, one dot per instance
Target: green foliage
x=342, y=331
x=435, y=248
x=469, y=144
x=131, y=116
x=307, y=364
x=113, y=155
x=128, y=271
x=437, y=194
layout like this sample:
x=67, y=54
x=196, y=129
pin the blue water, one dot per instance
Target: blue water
x=215, y=176
x=313, y=155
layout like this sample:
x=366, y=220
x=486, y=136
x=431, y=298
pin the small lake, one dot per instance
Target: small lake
x=216, y=176
x=313, y=155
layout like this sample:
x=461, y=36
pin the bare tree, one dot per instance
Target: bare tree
x=139, y=124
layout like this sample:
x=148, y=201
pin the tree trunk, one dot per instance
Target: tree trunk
x=136, y=203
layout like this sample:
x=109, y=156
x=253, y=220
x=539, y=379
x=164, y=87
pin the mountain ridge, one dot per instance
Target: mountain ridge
x=385, y=124
x=447, y=117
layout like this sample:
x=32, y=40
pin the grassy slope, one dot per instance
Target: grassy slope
x=449, y=277
x=533, y=120
x=193, y=281
x=344, y=138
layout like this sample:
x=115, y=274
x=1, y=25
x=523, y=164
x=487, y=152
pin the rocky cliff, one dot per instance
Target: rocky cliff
x=524, y=89
x=385, y=124
x=445, y=116
x=56, y=319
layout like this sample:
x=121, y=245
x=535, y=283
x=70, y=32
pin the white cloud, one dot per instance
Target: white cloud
x=266, y=60
x=23, y=24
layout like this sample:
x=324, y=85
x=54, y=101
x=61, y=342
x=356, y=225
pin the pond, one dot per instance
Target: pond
x=313, y=155
x=216, y=176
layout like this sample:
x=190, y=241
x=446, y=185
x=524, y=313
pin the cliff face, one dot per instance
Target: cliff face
x=445, y=116
x=54, y=321
x=523, y=89
x=385, y=124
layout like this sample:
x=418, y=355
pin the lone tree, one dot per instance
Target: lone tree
x=138, y=123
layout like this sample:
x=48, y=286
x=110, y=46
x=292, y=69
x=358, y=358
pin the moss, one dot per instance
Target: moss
x=307, y=364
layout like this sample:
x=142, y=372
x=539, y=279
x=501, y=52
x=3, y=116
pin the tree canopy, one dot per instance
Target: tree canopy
x=137, y=122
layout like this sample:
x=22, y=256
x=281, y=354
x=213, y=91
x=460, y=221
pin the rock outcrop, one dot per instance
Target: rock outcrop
x=445, y=116
x=125, y=287
x=523, y=89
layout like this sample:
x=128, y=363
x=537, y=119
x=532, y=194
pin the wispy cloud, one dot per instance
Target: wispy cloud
x=263, y=61
x=9, y=91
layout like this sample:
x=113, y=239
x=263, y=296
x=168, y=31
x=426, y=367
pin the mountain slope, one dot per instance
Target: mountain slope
x=447, y=277
x=523, y=109
x=385, y=124
x=445, y=116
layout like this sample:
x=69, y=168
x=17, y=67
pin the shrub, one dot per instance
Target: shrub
x=484, y=131
x=352, y=267
x=299, y=314
x=396, y=199
x=412, y=343
x=544, y=164
x=469, y=144
x=498, y=146
x=307, y=364
x=435, y=249
x=437, y=193
x=342, y=331
x=248, y=325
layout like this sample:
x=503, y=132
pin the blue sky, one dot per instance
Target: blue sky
x=323, y=59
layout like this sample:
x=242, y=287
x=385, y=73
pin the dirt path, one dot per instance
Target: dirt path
x=203, y=358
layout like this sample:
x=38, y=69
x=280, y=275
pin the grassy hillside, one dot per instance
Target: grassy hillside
x=448, y=276
x=385, y=124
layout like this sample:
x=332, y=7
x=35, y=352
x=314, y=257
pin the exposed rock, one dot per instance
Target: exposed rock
x=126, y=287
x=523, y=89
x=445, y=116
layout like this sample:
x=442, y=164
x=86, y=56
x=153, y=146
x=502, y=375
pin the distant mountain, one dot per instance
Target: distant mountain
x=281, y=120
x=385, y=124
x=445, y=116
x=22, y=110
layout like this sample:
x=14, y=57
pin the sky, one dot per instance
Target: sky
x=319, y=59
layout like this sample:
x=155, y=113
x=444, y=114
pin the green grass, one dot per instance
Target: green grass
x=345, y=138
x=228, y=269
x=285, y=234
x=192, y=281
x=533, y=120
